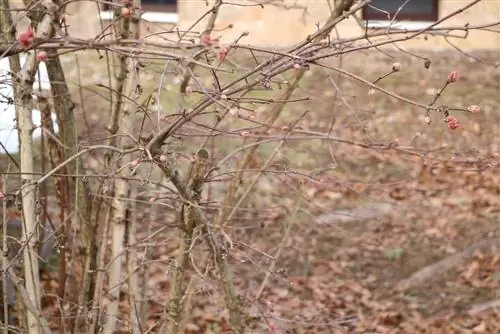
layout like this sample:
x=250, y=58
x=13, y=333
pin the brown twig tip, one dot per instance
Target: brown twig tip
x=474, y=108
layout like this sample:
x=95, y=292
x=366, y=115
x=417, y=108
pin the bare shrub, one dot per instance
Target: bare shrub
x=184, y=164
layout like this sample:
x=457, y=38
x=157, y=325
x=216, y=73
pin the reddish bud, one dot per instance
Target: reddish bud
x=134, y=163
x=396, y=67
x=452, y=123
x=296, y=66
x=42, y=56
x=230, y=26
x=26, y=38
x=222, y=53
x=453, y=76
x=206, y=40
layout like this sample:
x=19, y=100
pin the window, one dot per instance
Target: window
x=407, y=12
x=161, y=11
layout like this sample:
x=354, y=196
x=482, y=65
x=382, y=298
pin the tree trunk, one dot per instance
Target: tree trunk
x=24, y=105
x=129, y=70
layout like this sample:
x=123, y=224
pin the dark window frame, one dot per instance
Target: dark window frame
x=167, y=8
x=402, y=16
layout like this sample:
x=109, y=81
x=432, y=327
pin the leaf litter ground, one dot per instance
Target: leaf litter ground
x=358, y=238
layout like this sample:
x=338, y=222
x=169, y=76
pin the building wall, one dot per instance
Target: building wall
x=275, y=26
x=282, y=25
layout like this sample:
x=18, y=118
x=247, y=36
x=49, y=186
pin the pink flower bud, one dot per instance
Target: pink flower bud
x=452, y=122
x=206, y=40
x=42, y=56
x=26, y=38
x=245, y=133
x=453, y=76
x=396, y=67
x=134, y=163
x=427, y=120
x=222, y=53
x=189, y=89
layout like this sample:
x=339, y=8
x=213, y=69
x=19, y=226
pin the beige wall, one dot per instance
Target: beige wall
x=280, y=27
x=275, y=26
